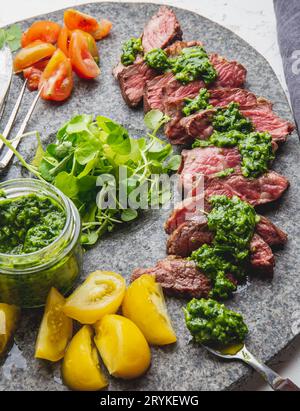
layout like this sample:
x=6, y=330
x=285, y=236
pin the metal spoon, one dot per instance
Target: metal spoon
x=240, y=352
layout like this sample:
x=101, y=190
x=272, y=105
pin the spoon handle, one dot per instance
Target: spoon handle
x=271, y=377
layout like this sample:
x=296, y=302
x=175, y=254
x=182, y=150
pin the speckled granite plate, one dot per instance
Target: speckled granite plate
x=269, y=307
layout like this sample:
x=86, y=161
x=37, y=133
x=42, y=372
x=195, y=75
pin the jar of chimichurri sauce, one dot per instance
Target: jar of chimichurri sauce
x=31, y=268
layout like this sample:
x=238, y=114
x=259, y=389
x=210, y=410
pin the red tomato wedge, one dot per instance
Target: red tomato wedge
x=103, y=29
x=46, y=31
x=57, y=79
x=83, y=62
x=76, y=20
x=32, y=54
x=64, y=40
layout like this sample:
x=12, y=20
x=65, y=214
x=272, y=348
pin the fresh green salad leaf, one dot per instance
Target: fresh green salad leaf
x=11, y=36
x=94, y=161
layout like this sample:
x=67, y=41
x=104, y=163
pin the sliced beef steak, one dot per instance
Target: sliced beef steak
x=132, y=80
x=271, y=234
x=184, y=130
x=262, y=258
x=188, y=237
x=268, y=121
x=257, y=191
x=202, y=163
x=191, y=235
x=178, y=276
x=190, y=211
x=230, y=73
x=161, y=30
x=165, y=92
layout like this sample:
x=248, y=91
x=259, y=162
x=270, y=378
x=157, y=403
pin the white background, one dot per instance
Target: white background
x=255, y=22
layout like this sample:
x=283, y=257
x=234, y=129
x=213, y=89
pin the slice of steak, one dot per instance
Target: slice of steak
x=223, y=96
x=230, y=73
x=189, y=214
x=270, y=233
x=268, y=121
x=167, y=91
x=178, y=276
x=191, y=235
x=161, y=30
x=262, y=259
x=162, y=91
x=190, y=209
x=184, y=130
x=202, y=163
x=257, y=191
x=132, y=80
x=188, y=237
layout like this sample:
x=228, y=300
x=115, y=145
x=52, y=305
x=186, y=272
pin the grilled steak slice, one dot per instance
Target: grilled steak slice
x=202, y=163
x=262, y=259
x=190, y=209
x=190, y=212
x=162, y=30
x=188, y=237
x=165, y=91
x=178, y=276
x=166, y=88
x=271, y=234
x=183, y=130
x=268, y=121
x=132, y=80
x=230, y=73
x=191, y=235
x=223, y=96
x=257, y=191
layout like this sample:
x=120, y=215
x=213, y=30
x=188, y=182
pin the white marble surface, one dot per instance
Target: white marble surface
x=255, y=22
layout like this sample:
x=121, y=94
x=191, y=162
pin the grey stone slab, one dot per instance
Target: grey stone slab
x=268, y=306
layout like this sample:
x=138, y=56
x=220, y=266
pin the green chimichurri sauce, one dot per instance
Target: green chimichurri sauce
x=29, y=223
x=131, y=48
x=191, y=64
x=157, y=59
x=233, y=222
x=233, y=129
x=201, y=102
x=212, y=323
x=230, y=118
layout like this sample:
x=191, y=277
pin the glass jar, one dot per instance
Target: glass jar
x=25, y=280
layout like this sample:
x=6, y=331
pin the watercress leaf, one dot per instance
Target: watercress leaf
x=119, y=141
x=129, y=215
x=85, y=153
x=174, y=163
x=106, y=124
x=2, y=38
x=13, y=37
x=46, y=165
x=153, y=118
x=89, y=238
x=79, y=124
x=88, y=168
x=67, y=183
x=62, y=150
x=39, y=154
x=87, y=184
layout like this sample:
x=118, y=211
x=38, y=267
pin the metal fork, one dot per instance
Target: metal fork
x=241, y=353
x=6, y=57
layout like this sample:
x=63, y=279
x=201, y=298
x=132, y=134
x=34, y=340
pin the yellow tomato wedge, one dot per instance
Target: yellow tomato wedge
x=9, y=315
x=55, y=329
x=145, y=305
x=122, y=346
x=101, y=293
x=81, y=370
